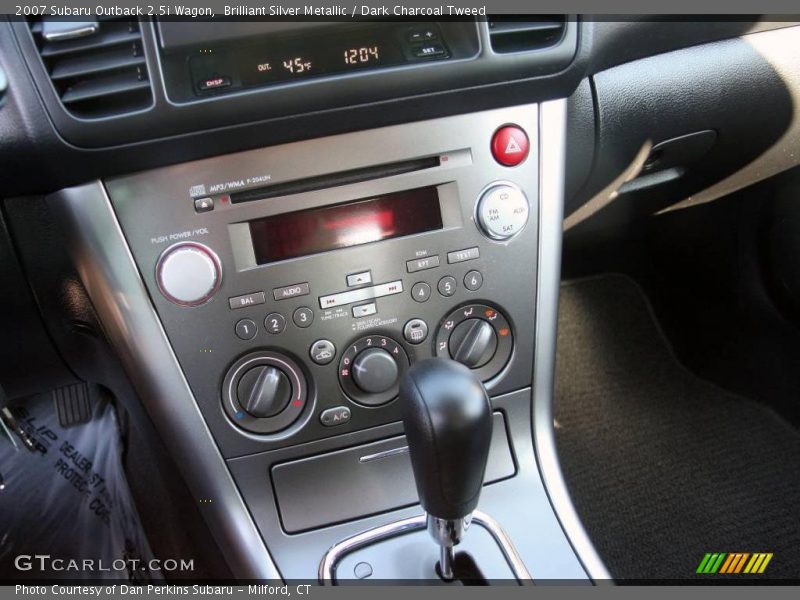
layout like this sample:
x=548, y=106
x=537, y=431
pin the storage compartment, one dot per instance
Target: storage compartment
x=362, y=481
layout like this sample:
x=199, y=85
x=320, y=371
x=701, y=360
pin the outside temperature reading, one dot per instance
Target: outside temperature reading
x=362, y=55
x=297, y=65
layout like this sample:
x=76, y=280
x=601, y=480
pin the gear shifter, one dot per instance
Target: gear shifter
x=448, y=423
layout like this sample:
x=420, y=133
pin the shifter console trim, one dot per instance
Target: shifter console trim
x=327, y=567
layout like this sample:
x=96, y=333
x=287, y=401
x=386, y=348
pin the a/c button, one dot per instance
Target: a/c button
x=335, y=416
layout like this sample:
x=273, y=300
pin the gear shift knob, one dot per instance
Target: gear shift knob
x=448, y=423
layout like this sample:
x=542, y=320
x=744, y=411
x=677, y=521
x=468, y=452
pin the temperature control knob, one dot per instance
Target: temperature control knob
x=266, y=392
x=370, y=370
x=502, y=211
x=188, y=274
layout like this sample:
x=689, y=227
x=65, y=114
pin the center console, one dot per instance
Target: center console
x=269, y=303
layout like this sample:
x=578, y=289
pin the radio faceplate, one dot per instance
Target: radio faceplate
x=314, y=309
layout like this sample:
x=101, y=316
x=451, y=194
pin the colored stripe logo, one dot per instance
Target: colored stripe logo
x=733, y=563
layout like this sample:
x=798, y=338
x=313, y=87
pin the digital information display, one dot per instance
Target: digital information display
x=261, y=66
x=305, y=232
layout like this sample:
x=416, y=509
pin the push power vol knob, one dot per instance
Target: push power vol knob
x=188, y=274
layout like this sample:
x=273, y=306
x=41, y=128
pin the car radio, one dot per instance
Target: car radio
x=298, y=283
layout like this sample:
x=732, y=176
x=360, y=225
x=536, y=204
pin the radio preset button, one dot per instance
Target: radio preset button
x=421, y=291
x=364, y=310
x=303, y=317
x=458, y=256
x=291, y=291
x=447, y=286
x=247, y=300
x=415, y=331
x=359, y=279
x=322, y=352
x=473, y=280
x=275, y=323
x=246, y=329
x=422, y=264
x=502, y=211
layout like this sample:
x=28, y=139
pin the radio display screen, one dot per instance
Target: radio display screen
x=305, y=232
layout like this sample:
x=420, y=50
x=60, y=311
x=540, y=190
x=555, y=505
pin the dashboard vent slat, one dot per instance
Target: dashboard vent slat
x=526, y=33
x=103, y=74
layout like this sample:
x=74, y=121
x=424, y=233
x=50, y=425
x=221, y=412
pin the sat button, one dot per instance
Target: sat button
x=510, y=145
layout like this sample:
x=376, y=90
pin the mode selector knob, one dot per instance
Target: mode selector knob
x=188, y=274
x=375, y=371
x=502, y=211
x=473, y=343
x=264, y=391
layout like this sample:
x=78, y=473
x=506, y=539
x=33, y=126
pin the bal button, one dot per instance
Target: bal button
x=510, y=146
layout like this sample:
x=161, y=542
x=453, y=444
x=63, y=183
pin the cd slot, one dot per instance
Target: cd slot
x=336, y=179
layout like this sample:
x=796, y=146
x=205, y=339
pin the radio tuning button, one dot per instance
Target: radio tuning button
x=188, y=274
x=502, y=211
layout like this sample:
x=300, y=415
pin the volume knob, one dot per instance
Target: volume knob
x=188, y=274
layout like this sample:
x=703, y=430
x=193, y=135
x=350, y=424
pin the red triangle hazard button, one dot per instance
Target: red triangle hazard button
x=510, y=145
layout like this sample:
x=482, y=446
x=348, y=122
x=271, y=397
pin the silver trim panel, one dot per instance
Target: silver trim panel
x=327, y=567
x=552, y=143
x=106, y=267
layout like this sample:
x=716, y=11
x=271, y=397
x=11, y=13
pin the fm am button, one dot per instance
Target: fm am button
x=510, y=145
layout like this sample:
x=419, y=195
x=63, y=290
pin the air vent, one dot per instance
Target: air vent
x=98, y=70
x=523, y=34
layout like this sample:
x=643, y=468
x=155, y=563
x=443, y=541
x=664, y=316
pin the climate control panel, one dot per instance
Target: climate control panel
x=318, y=272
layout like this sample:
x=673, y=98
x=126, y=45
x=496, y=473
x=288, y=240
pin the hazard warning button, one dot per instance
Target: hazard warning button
x=510, y=145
